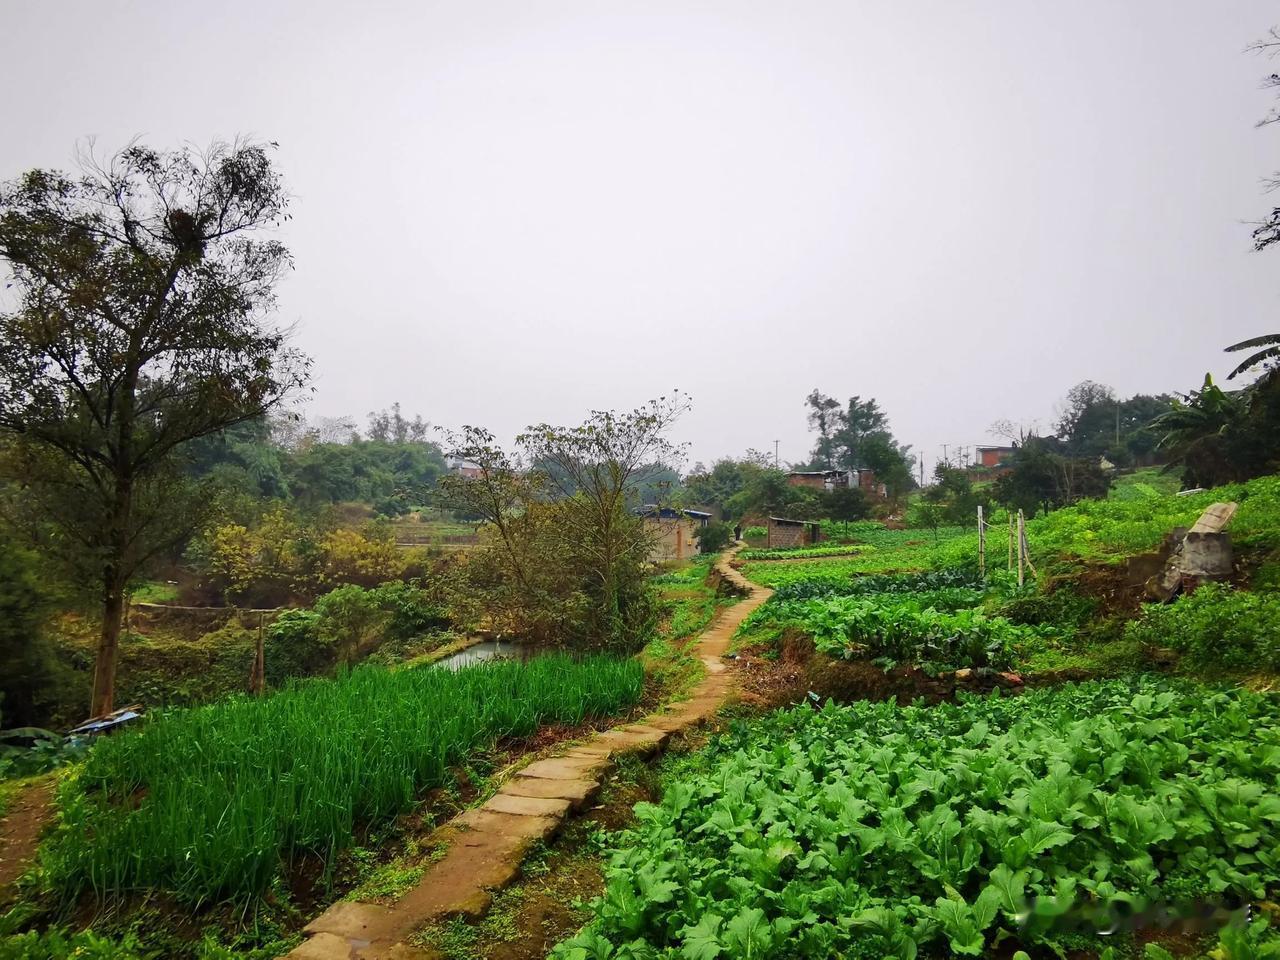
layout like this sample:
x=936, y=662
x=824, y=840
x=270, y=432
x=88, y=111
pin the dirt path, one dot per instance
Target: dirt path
x=486, y=845
x=20, y=828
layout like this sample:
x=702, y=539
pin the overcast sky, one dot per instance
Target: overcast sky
x=514, y=212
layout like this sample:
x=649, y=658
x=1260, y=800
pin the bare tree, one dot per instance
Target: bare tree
x=572, y=548
x=1267, y=231
x=1016, y=432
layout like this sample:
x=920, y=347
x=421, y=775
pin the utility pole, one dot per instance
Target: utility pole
x=775, y=455
x=944, y=455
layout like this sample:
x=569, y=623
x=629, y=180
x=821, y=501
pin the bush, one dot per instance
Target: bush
x=351, y=619
x=411, y=612
x=715, y=536
x=293, y=647
x=346, y=624
x=1216, y=626
x=24, y=651
x=351, y=557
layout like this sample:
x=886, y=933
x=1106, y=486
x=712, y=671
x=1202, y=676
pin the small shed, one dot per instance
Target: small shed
x=675, y=531
x=792, y=533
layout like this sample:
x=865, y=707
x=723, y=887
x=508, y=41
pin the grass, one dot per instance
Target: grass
x=153, y=591
x=387, y=882
x=9, y=789
x=209, y=804
x=431, y=532
x=875, y=534
x=1111, y=529
x=1134, y=519
x=1145, y=483
x=689, y=574
x=689, y=604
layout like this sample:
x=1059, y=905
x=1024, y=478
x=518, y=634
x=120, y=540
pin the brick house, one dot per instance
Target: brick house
x=792, y=533
x=864, y=480
x=467, y=469
x=994, y=456
x=675, y=532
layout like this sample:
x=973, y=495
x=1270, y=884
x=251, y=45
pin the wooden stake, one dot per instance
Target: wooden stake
x=1022, y=522
x=982, y=544
x=258, y=680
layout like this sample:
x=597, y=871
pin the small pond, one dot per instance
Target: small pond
x=486, y=650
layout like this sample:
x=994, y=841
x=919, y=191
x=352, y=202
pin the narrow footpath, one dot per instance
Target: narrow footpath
x=486, y=845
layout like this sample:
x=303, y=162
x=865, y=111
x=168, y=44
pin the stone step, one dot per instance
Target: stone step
x=528, y=806
x=577, y=792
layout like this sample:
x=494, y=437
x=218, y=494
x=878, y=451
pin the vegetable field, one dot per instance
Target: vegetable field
x=207, y=804
x=1096, y=530
x=804, y=553
x=873, y=830
x=932, y=619
x=936, y=630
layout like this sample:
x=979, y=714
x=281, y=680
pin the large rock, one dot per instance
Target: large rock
x=1189, y=556
x=1207, y=556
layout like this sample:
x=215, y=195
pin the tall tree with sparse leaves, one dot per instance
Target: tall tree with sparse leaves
x=139, y=322
x=1267, y=231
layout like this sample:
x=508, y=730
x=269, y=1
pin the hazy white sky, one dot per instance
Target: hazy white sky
x=512, y=212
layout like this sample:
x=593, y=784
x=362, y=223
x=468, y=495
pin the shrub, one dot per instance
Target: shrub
x=293, y=647
x=714, y=537
x=24, y=650
x=351, y=619
x=1216, y=626
x=411, y=612
x=351, y=557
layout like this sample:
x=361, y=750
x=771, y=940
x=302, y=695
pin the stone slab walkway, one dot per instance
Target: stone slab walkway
x=485, y=845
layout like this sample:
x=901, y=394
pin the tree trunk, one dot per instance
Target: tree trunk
x=115, y=584
x=104, y=670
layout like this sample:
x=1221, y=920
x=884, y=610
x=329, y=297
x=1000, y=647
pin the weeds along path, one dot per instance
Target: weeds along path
x=485, y=845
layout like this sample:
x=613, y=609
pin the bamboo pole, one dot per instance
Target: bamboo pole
x=1010, y=566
